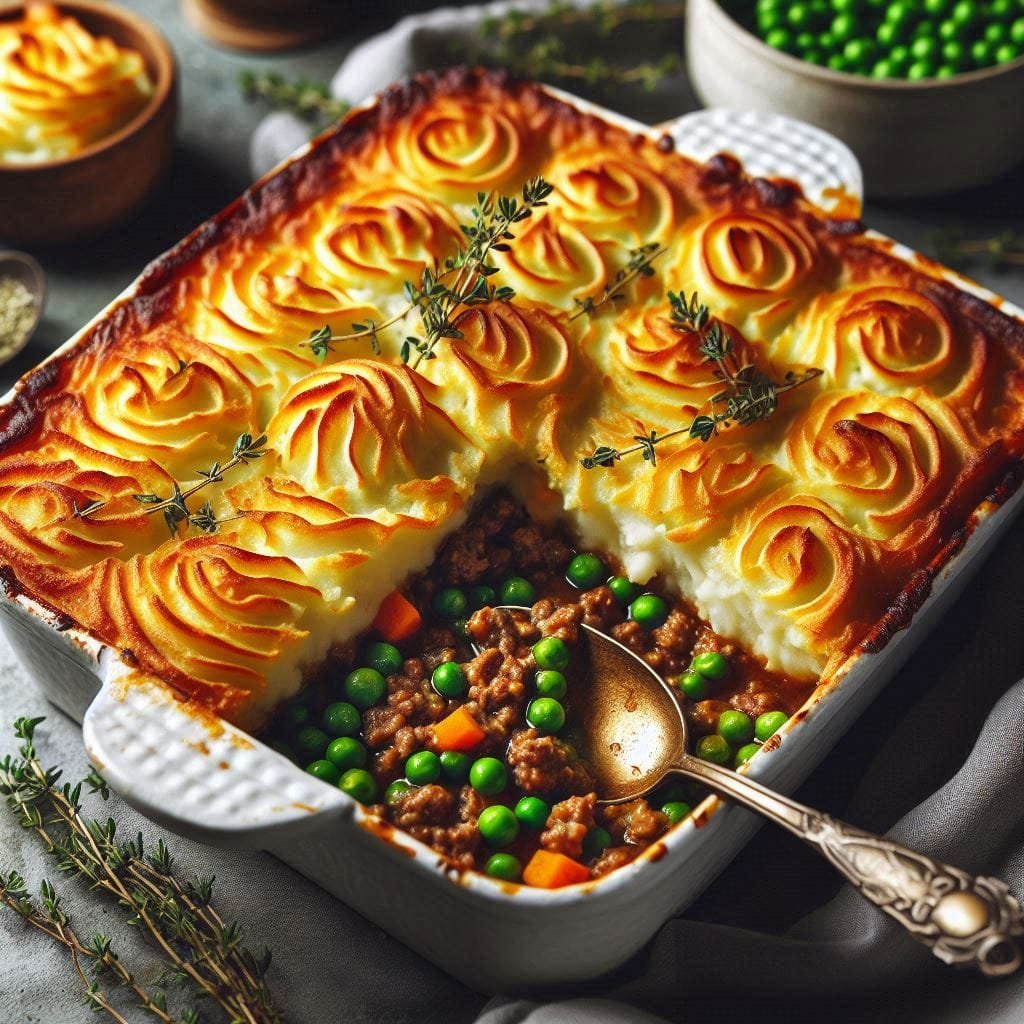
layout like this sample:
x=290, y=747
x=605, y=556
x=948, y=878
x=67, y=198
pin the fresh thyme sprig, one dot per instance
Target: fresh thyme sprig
x=310, y=100
x=51, y=919
x=529, y=43
x=175, y=508
x=179, y=918
x=997, y=251
x=749, y=395
x=443, y=292
x=639, y=265
x=490, y=232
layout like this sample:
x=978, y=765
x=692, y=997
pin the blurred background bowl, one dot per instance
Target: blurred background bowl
x=912, y=138
x=80, y=195
x=265, y=24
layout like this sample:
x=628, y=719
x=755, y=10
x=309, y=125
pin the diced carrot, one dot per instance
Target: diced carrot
x=397, y=618
x=548, y=870
x=459, y=731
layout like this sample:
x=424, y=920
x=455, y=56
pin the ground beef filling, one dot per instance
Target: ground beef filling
x=501, y=541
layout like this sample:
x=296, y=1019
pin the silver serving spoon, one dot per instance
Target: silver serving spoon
x=633, y=737
x=21, y=267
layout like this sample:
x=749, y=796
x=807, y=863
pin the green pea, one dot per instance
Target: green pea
x=925, y=30
x=996, y=33
x=516, y=590
x=423, y=767
x=883, y=69
x=899, y=57
x=770, y=20
x=799, y=16
x=924, y=49
x=935, y=8
x=488, y=776
x=551, y=683
x=837, y=62
x=694, y=685
x=597, y=840
x=735, y=726
x=715, y=749
x=981, y=53
x=846, y=6
x=845, y=27
x=1017, y=32
x=385, y=658
x=827, y=41
x=341, y=719
x=345, y=753
x=1002, y=10
x=455, y=766
x=965, y=12
x=482, y=597
x=395, y=791
x=814, y=56
x=293, y=717
x=649, y=610
x=324, y=770
x=310, y=743
x=449, y=679
x=503, y=866
x=949, y=30
x=920, y=69
x=746, y=752
x=551, y=652
x=451, y=603
x=953, y=53
x=1005, y=53
x=623, y=590
x=675, y=811
x=364, y=687
x=763, y=6
x=359, y=784
x=779, y=38
x=899, y=13
x=768, y=724
x=498, y=825
x=888, y=33
x=947, y=71
x=532, y=812
x=586, y=570
x=711, y=664
x=805, y=42
x=859, y=51
x=545, y=714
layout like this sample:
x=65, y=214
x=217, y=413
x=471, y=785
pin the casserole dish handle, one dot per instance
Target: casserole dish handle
x=775, y=146
x=229, y=789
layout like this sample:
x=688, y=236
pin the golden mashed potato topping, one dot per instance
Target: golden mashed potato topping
x=231, y=469
x=62, y=88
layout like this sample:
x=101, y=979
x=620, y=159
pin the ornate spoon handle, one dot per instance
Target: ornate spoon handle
x=965, y=919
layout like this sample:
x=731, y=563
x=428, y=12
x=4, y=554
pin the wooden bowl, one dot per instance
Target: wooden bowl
x=264, y=24
x=912, y=138
x=80, y=195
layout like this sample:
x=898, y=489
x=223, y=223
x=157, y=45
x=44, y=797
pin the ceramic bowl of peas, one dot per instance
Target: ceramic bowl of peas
x=928, y=93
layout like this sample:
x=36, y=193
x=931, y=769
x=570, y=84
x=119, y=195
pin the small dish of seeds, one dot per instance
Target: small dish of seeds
x=22, y=290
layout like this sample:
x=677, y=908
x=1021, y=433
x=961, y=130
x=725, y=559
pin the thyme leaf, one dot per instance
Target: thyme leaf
x=748, y=397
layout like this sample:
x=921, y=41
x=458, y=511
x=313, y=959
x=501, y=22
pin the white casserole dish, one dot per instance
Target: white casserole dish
x=205, y=779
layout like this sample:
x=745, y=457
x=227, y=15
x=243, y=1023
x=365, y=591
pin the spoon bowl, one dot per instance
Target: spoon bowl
x=21, y=267
x=632, y=735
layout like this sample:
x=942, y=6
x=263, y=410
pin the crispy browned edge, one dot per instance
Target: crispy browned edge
x=300, y=181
